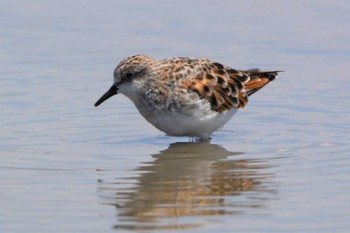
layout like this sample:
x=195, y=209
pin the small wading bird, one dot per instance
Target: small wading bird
x=185, y=96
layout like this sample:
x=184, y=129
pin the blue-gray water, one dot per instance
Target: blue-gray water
x=280, y=165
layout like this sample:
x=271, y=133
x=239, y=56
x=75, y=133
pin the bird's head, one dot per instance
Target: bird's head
x=128, y=70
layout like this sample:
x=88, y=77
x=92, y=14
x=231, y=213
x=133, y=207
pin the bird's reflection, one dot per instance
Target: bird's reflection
x=187, y=180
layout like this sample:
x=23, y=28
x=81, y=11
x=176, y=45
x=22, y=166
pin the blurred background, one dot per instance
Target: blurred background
x=281, y=164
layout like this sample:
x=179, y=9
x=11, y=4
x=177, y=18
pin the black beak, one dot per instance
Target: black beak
x=111, y=92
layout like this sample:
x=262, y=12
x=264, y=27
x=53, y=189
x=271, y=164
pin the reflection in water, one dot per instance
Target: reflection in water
x=183, y=182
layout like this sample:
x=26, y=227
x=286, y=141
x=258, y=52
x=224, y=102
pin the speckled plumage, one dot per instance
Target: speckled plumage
x=185, y=96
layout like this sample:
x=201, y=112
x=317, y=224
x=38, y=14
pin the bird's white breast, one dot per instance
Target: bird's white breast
x=194, y=120
x=179, y=124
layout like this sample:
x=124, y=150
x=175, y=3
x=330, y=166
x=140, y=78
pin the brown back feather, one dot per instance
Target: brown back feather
x=225, y=88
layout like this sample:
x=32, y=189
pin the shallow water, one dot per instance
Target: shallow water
x=281, y=164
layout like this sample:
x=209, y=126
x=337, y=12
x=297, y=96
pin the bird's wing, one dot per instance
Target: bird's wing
x=226, y=88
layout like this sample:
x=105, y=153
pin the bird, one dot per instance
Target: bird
x=185, y=96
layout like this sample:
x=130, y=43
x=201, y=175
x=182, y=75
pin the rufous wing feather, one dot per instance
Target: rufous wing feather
x=258, y=79
x=226, y=88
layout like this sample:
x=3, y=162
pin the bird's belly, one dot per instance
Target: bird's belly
x=190, y=123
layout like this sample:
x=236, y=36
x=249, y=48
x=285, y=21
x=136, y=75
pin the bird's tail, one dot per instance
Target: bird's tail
x=258, y=79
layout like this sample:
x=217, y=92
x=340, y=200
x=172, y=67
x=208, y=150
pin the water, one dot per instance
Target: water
x=281, y=164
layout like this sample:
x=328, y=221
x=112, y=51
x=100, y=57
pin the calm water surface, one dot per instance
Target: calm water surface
x=281, y=165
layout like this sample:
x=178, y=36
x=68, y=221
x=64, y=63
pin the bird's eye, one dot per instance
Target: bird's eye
x=128, y=75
